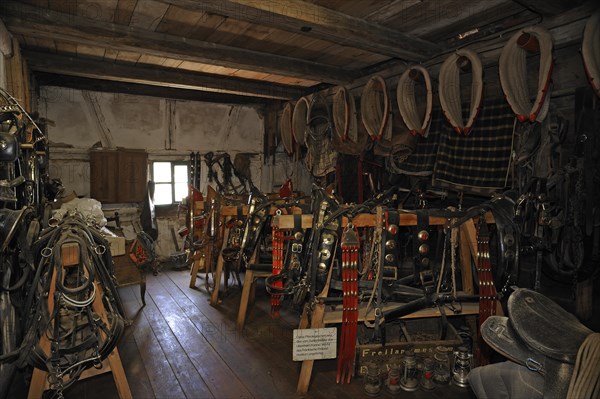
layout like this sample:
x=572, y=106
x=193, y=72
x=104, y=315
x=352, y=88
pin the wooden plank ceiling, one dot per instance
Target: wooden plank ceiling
x=242, y=50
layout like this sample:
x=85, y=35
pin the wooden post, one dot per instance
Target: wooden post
x=468, y=251
x=214, y=297
x=584, y=299
x=247, y=290
x=317, y=321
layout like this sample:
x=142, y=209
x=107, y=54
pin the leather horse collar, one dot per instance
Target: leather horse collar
x=285, y=127
x=350, y=137
x=449, y=88
x=513, y=73
x=407, y=104
x=589, y=51
x=375, y=108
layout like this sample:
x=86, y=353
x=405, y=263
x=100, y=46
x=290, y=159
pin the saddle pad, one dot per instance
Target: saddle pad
x=479, y=162
x=546, y=327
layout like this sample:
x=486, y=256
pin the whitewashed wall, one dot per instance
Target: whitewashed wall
x=167, y=129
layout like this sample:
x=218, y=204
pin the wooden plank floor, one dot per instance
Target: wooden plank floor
x=178, y=346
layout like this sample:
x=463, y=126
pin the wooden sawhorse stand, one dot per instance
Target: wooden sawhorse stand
x=39, y=380
x=320, y=318
x=249, y=289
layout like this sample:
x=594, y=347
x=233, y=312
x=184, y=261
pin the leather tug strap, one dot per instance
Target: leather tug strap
x=278, y=237
x=487, y=289
x=350, y=245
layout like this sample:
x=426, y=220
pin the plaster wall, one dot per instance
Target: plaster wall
x=167, y=129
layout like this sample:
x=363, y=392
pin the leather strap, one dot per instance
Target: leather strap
x=487, y=289
x=421, y=244
x=350, y=245
x=277, y=245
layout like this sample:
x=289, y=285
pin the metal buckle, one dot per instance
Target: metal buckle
x=297, y=247
x=394, y=272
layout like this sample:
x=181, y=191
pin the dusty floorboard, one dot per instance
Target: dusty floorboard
x=178, y=346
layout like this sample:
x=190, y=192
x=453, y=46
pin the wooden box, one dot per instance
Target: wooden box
x=126, y=271
x=117, y=245
x=425, y=335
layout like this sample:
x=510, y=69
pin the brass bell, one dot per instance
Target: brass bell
x=423, y=235
x=423, y=249
x=389, y=258
x=390, y=244
x=298, y=235
x=392, y=229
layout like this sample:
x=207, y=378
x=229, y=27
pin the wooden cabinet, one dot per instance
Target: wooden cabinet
x=118, y=175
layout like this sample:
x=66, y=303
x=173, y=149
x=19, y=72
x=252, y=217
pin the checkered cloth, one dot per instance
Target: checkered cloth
x=480, y=161
x=422, y=159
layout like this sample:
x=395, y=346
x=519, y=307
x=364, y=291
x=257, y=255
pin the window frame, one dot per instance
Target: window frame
x=172, y=182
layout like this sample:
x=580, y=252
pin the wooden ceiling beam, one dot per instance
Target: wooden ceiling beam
x=319, y=22
x=549, y=7
x=111, y=86
x=96, y=69
x=37, y=22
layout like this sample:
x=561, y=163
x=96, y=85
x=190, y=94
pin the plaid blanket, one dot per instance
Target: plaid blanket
x=422, y=160
x=480, y=161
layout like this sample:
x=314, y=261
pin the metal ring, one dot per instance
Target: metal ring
x=53, y=222
x=99, y=249
x=46, y=252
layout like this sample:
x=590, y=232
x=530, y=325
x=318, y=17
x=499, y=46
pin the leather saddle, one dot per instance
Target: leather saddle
x=540, y=335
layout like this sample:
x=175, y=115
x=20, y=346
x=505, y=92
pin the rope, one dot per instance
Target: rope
x=585, y=381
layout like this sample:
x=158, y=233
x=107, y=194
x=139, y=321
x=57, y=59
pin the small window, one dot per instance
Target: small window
x=170, y=182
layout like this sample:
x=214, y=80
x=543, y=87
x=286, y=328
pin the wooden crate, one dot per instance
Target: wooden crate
x=126, y=271
x=425, y=336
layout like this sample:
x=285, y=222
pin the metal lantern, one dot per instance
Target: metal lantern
x=372, y=380
x=409, y=381
x=463, y=362
x=393, y=380
x=426, y=382
x=441, y=371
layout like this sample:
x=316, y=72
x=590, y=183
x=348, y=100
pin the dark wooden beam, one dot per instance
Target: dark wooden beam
x=96, y=69
x=320, y=22
x=549, y=7
x=111, y=86
x=43, y=23
x=391, y=10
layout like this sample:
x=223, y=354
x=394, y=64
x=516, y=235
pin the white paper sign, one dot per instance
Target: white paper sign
x=314, y=344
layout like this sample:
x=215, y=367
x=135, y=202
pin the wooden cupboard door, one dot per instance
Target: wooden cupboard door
x=118, y=176
x=133, y=175
x=104, y=171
